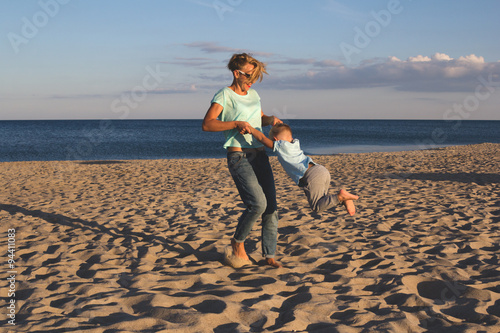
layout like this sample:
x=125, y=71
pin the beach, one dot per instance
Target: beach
x=138, y=245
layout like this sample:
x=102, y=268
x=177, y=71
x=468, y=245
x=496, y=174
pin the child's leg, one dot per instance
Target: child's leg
x=317, y=182
x=347, y=199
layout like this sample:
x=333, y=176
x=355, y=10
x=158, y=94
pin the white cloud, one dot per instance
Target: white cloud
x=472, y=58
x=441, y=57
x=438, y=72
x=419, y=58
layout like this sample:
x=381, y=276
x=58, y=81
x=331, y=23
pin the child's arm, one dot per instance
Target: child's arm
x=262, y=138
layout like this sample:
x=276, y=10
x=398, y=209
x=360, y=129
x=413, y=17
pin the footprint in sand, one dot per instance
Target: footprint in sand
x=456, y=301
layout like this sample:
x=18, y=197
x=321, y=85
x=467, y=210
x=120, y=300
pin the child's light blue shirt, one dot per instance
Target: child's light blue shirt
x=292, y=158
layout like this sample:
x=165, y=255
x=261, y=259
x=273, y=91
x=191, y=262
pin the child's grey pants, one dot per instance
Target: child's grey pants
x=315, y=184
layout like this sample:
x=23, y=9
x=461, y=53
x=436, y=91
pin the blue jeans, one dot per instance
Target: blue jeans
x=254, y=180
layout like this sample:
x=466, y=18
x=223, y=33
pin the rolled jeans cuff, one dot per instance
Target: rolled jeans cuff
x=238, y=241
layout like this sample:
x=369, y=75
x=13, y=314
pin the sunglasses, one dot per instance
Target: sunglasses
x=245, y=74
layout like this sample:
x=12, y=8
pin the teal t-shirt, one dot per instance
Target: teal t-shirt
x=240, y=108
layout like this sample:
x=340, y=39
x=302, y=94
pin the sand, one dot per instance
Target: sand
x=138, y=246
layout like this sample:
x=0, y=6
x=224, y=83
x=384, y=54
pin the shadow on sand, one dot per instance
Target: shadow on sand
x=463, y=177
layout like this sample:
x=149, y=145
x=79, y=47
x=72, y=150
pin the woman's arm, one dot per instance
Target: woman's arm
x=262, y=138
x=269, y=120
x=212, y=124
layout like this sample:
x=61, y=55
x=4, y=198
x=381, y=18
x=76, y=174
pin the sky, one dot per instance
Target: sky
x=152, y=59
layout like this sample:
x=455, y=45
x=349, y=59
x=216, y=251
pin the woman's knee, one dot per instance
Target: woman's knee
x=258, y=207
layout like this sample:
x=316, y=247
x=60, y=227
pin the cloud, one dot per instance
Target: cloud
x=186, y=89
x=441, y=57
x=307, y=61
x=212, y=47
x=328, y=63
x=75, y=96
x=198, y=65
x=472, y=58
x=420, y=73
x=192, y=62
x=418, y=58
x=438, y=72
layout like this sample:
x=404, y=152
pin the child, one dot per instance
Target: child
x=313, y=178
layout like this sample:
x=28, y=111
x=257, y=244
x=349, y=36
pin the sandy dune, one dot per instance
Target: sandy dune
x=137, y=246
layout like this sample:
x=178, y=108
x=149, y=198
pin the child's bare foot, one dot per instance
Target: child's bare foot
x=272, y=262
x=347, y=199
x=239, y=249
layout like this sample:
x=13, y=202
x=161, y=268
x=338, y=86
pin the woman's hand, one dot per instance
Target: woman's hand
x=270, y=120
x=275, y=121
x=243, y=127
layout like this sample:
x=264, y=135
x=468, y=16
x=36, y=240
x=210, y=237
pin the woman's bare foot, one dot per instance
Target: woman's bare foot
x=272, y=262
x=347, y=200
x=239, y=249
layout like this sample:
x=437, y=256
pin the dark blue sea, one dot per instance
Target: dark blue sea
x=46, y=140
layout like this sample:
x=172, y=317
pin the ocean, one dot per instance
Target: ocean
x=59, y=140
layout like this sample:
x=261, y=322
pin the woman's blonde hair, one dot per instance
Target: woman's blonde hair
x=279, y=128
x=237, y=62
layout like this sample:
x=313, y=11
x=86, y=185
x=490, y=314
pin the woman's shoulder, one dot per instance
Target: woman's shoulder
x=221, y=95
x=223, y=90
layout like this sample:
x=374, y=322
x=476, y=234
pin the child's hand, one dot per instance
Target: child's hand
x=243, y=127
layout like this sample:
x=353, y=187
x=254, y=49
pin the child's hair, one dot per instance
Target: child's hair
x=237, y=62
x=279, y=128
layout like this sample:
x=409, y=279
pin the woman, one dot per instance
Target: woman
x=234, y=110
